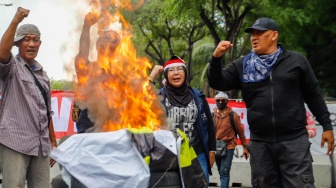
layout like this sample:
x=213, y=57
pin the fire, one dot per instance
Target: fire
x=115, y=89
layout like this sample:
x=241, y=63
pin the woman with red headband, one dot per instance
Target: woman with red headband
x=187, y=110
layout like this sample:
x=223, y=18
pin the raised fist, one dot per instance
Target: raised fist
x=21, y=13
x=155, y=72
x=222, y=48
x=91, y=18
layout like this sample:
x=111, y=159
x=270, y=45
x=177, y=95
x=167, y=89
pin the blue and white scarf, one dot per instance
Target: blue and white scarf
x=259, y=67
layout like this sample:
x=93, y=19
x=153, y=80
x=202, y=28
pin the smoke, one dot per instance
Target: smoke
x=116, y=90
x=59, y=22
x=114, y=87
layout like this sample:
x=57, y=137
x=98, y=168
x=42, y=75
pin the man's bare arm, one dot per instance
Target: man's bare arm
x=84, y=43
x=7, y=40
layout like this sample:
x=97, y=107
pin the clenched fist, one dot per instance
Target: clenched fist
x=222, y=48
x=155, y=72
x=21, y=13
x=91, y=18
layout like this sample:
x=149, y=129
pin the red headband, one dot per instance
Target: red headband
x=174, y=63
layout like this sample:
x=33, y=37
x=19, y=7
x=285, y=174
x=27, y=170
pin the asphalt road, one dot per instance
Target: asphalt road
x=214, y=179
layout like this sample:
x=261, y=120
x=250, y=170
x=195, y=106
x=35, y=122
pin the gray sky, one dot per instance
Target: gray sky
x=60, y=23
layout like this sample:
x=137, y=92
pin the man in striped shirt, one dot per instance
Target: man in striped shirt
x=24, y=135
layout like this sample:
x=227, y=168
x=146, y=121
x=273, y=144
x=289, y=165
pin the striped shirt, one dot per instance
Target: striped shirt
x=23, y=115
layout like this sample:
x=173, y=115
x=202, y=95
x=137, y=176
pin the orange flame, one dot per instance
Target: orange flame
x=116, y=90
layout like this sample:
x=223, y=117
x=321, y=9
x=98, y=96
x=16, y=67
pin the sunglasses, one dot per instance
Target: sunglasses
x=221, y=100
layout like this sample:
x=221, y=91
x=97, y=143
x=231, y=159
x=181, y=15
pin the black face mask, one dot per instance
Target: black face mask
x=221, y=105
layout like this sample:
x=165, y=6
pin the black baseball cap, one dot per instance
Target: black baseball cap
x=263, y=24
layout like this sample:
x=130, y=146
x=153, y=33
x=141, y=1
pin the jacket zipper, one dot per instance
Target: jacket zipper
x=272, y=102
x=272, y=92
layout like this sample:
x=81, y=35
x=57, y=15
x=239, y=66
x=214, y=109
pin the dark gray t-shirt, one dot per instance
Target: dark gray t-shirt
x=184, y=118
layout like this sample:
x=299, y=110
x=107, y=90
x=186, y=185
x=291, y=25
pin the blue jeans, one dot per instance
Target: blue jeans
x=224, y=167
x=204, y=164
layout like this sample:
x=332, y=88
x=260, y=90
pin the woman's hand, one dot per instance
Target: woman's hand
x=157, y=69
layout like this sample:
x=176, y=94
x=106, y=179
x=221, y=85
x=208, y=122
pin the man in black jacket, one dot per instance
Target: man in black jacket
x=275, y=84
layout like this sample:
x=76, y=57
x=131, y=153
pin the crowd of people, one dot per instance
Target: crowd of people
x=275, y=84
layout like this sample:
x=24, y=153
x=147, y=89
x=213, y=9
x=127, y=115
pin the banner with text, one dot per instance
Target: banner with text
x=62, y=101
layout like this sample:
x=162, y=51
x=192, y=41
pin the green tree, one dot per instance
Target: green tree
x=318, y=39
x=65, y=85
x=224, y=20
x=165, y=34
x=305, y=26
x=308, y=27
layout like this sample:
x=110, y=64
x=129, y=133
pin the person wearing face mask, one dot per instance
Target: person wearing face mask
x=227, y=132
x=188, y=110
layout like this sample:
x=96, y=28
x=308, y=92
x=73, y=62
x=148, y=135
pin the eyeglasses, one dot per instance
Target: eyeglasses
x=221, y=100
x=178, y=69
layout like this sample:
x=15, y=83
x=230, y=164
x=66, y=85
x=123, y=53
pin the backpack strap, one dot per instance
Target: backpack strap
x=232, y=123
x=42, y=90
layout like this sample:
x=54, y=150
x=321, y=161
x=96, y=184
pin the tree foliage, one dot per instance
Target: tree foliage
x=167, y=33
x=318, y=39
x=308, y=27
x=224, y=20
x=64, y=85
x=192, y=29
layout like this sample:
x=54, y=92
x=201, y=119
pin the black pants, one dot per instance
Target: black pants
x=286, y=164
